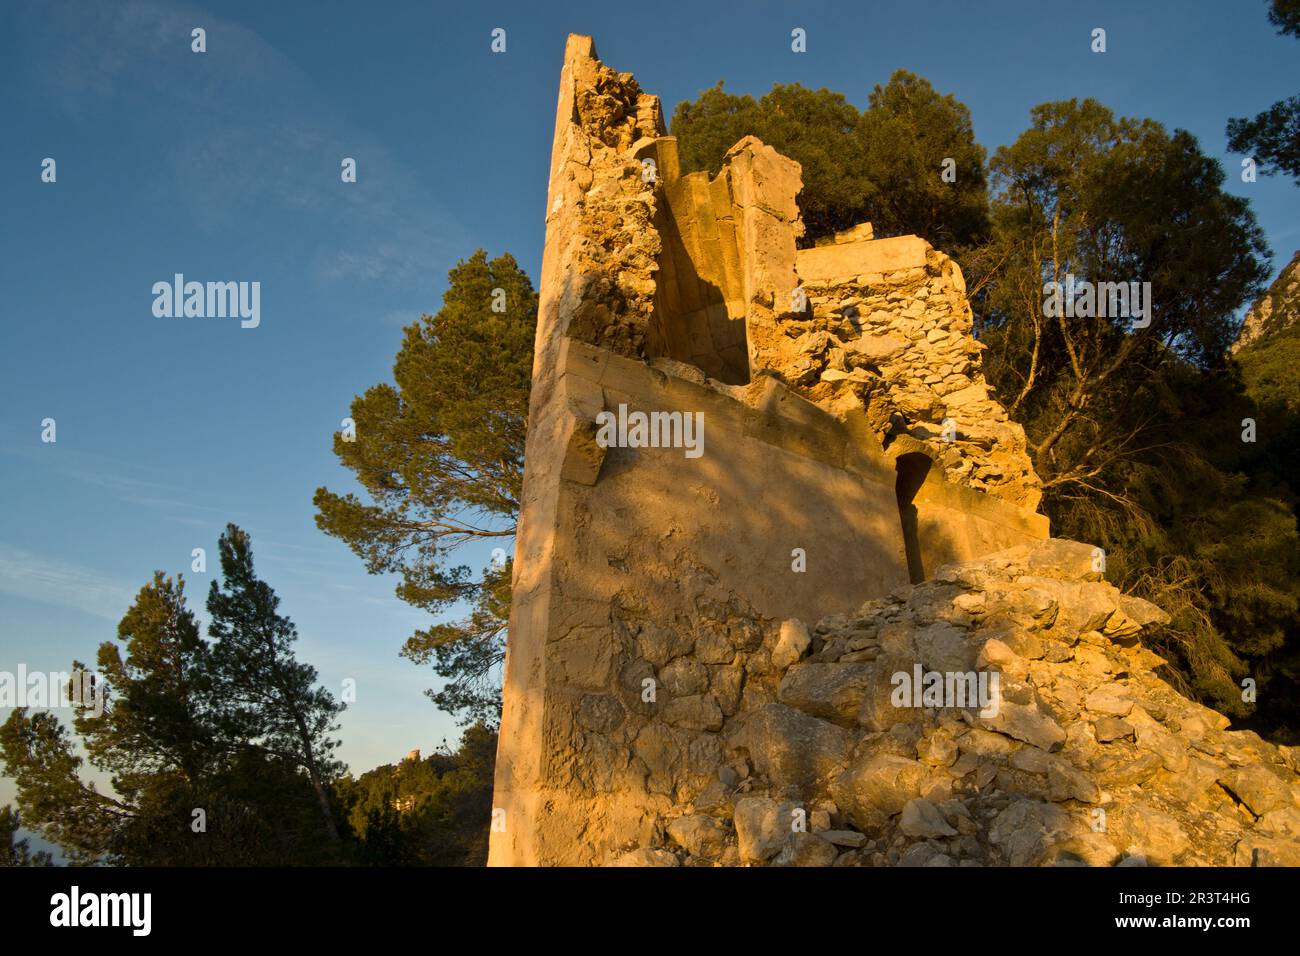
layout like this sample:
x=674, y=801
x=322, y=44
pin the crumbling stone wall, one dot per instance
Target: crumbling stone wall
x=889, y=332
x=656, y=595
x=866, y=327
x=601, y=208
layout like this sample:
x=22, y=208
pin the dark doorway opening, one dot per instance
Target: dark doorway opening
x=912, y=471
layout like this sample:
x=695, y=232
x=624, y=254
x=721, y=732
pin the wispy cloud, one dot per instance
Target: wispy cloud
x=258, y=135
x=37, y=577
x=116, y=477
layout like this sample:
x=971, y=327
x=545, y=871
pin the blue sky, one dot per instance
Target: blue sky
x=225, y=166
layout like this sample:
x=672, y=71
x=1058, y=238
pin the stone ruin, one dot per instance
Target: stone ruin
x=664, y=703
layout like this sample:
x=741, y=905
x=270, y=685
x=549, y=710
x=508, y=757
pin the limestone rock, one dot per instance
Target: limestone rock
x=1275, y=311
x=696, y=712
x=791, y=747
x=938, y=749
x=1027, y=829
x=1112, y=728
x=884, y=783
x=791, y=645
x=1152, y=834
x=762, y=827
x=1066, y=783
x=1282, y=822
x=806, y=849
x=1111, y=700
x=1259, y=789
x=832, y=692
x=699, y=835
x=1000, y=790
x=1027, y=723
x=646, y=856
x=1262, y=851
x=849, y=838
x=922, y=819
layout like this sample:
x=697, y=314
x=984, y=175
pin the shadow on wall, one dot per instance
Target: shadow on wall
x=693, y=318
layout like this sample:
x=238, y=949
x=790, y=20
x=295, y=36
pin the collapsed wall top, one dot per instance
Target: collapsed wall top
x=705, y=271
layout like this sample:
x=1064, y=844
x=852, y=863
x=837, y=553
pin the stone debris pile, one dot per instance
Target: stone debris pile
x=1084, y=756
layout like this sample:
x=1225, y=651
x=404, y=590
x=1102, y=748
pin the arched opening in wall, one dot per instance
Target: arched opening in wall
x=912, y=468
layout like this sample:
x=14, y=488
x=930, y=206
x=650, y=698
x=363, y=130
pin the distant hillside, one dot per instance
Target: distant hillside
x=1277, y=310
x=425, y=812
x=1268, y=353
x=1268, y=356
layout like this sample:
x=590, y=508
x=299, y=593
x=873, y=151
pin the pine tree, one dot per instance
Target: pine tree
x=141, y=723
x=203, y=772
x=262, y=695
x=1272, y=137
x=155, y=724
x=441, y=455
x=15, y=852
